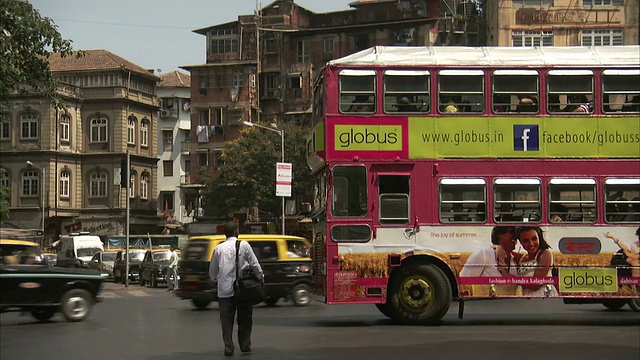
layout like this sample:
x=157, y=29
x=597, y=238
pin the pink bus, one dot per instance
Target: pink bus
x=461, y=173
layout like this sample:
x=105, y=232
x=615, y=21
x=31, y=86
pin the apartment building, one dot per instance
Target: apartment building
x=561, y=22
x=64, y=165
x=263, y=65
x=176, y=194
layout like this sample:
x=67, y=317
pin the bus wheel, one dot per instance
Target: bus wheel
x=614, y=304
x=200, y=303
x=385, y=309
x=634, y=304
x=419, y=295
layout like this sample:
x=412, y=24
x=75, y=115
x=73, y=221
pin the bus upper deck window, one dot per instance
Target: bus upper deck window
x=515, y=91
x=461, y=91
x=570, y=91
x=621, y=90
x=406, y=91
x=357, y=91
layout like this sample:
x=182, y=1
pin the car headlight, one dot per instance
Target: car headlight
x=108, y=267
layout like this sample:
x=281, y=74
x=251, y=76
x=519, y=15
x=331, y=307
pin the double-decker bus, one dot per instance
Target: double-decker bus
x=462, y=173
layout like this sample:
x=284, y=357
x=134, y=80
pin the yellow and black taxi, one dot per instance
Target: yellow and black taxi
x=153, y=268
x=28, y=284
x=119, y=265
x=284, y=259
x=104, y=261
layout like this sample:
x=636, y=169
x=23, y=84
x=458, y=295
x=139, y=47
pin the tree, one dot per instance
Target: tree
x=247, y=176
x=26, y=40
x=4, y=197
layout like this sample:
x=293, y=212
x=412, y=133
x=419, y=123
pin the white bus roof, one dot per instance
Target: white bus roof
x=569, y=56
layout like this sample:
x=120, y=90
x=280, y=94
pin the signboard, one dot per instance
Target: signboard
x=284, y=177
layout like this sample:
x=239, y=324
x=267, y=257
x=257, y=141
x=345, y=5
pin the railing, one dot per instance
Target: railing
x=185, y=147
x=185, y=179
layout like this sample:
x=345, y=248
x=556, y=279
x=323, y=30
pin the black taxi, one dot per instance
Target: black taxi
x=28, y=284
x=284, y=259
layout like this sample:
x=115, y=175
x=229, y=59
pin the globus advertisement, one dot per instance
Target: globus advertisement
x=478, y=137
x=545, y=262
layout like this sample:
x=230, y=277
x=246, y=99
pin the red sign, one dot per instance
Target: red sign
x=344, y=285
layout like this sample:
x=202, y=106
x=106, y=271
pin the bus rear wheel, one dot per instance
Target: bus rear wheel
x=614, y=304
x=419, y=295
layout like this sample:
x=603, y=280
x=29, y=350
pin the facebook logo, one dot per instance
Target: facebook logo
x=526, y=138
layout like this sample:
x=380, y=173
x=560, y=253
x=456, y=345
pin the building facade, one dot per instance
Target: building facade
x=176, y=194
x=64, y=165
x=561, y=22
x=262, y=67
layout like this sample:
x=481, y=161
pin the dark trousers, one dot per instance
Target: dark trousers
x=228, y=308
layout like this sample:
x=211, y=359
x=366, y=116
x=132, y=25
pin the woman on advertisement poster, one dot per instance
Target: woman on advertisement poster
x=536, y=262
x=631, y=252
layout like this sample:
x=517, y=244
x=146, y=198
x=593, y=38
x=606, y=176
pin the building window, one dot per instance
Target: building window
x=532, y=3
x=144, y=132
x=4, y=180
x=98, y=185
x=5, y=127
x=224, y=41
x=65, y=184
x=131, y=130
x=360, y=42
x=203, y=158
x=203, y=83
x=98, y=130
x=132, y=185
x=221, y=78
x=65, y=128
x=328, y=45
x=167, y=168
x=303, y=51
x=295, y=86
x=144, y=186
x=167, y=140
x=529, y=38
x=602, y=2
x=29, y=126
x=602, y=37
x=238, y=79
x=271, y=84
x=30, y=183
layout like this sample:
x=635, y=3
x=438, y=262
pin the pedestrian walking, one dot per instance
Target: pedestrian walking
x=222, y=271
x=172, y=269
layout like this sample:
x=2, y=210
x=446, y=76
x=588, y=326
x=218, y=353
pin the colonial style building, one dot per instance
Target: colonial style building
x=176, y=194
x=561, y=22
x=64, y=165
x=262, y=66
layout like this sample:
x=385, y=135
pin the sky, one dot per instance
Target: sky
x=155, y=34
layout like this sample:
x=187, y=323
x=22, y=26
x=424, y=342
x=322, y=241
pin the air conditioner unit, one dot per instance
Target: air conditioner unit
x=165, y=113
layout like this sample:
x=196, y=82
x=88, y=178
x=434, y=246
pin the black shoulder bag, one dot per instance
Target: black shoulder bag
x=248, y=289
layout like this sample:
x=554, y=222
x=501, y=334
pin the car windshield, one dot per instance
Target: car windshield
x=109, y=256
x=159, y=256
x=136, y=256
x=87, y=251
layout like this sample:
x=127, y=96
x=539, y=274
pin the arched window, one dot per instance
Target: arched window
x=98, y=185
x=144, y=186
x=131, y=130
x=65, y=184
x=30, y=183
x=29, y=123
x=65, y=128
x=98, y=130
x=5, y=126
x=144, y=132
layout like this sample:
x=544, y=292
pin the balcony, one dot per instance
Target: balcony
x=103, y=93
x=185, y=147
x=185, y=179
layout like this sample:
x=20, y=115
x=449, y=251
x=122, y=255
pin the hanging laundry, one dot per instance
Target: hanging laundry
x=202, y=131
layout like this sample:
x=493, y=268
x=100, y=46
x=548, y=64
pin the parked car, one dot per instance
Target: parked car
x=284, y=260
x=50, y=258
x=119, y=270
x=29, y=284
x=104, y=261
x=153, y=268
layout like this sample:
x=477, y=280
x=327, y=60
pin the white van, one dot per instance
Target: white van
x=76, y=250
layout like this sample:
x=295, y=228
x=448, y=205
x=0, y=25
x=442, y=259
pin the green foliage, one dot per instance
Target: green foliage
x=26, y=40
x=4, y=197
x=248, y=175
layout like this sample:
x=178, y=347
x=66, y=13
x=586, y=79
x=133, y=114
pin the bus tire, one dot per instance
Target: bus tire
x=634, y=304
x=419, y=295
x=200, y=303
x=385, y=309
x=614, y=304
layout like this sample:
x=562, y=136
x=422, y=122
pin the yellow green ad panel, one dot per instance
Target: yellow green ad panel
x=534, y=137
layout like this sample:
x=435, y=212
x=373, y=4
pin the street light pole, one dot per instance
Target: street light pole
x=42, y=195
x=281, y=132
